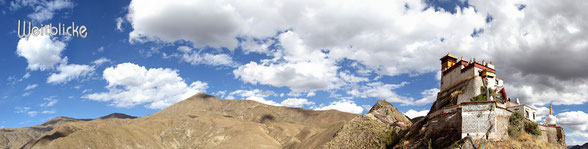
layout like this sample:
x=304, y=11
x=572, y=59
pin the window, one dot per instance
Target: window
x=527, y=114
x=533, y=115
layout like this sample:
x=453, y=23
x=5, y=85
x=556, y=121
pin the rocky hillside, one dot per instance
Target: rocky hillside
x=585, y=146
x=204, y=121
x=17, y=137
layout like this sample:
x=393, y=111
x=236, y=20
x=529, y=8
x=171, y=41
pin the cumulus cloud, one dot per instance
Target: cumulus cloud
x=211, y=23
x=413, y=113
x=44, y=53
x=255, y=95
x=380, y=90
x=261, y=95
x=130, y=84
x=68, y=72
x=429, y=96
x=195, y=57
x=41, y=52
x=296, y=102
x=576, y=122
x=298, y=68
x=342, y=105
x=539, y=49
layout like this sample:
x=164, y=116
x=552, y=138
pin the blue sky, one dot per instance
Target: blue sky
x=142, y=56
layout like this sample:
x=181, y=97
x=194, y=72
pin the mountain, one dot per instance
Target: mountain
x=117, y=115
x=204, y=121
x=585, y=146
x=17, y=137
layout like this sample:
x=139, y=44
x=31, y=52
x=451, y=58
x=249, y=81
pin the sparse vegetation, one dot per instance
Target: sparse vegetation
x=515, y=124
x=482, y=96
x=532, y=128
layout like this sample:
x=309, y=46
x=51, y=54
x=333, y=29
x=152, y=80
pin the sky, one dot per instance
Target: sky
x=141, y=56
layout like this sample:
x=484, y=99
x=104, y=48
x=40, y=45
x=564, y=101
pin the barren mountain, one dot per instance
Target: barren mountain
x=203, y=121
x=17, y=137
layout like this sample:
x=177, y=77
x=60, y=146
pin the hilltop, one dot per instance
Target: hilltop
x=204, y=121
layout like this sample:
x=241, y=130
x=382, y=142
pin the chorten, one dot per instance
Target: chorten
x=550, y=119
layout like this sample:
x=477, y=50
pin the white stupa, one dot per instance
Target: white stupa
x=550, y=119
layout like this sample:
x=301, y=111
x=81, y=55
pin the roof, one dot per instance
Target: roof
x=448, y=56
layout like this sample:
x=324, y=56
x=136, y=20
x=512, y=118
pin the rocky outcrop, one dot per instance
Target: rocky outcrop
x=388, y=113
x=376, y=129
x=554, y=135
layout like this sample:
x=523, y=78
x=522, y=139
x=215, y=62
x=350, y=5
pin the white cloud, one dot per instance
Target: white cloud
x=21, y=109
x=26, y=75
x=101, y=49
x=255, y=95
x=298, y=68
x=195, y=57
x=571, y=92
x=209, y=59
x=541, y=113
x=253, y=46
x=352, y=78
x=429, y=96
x=344, y=106
x=50, y=101
x=130, y=84
x=41, y=52
x=413, y=113
x=366, y=107
x=296, y=102
x=26, y=94
x=260, y=96
x=381, y=91
x=310, y=94
x=119, y=22
x=48, y=112
x=30, y=112
x=68, y=72
x=577, y=123
x=43, y=10
x=386, y=37
x=101, y=61
x=31, y=86
x=44, y=53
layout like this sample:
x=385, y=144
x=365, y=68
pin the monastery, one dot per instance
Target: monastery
x=474, y=102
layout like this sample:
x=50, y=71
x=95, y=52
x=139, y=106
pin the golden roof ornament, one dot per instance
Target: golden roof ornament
x=550, y=109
